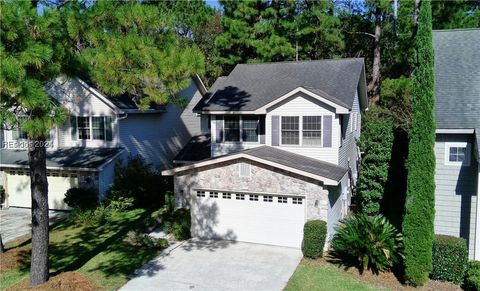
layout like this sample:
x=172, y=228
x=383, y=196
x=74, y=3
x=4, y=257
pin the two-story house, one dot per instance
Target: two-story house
x=100, y=131
x=457, y=144
x=278, y=148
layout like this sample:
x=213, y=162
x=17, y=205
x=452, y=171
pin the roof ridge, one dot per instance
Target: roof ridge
x=455, y=29
x=300, y=61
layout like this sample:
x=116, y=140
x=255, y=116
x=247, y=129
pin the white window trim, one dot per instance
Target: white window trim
x=300, y=129
x=449, y=145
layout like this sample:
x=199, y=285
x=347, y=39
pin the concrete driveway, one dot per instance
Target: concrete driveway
x=218, y=265
x=16, y=222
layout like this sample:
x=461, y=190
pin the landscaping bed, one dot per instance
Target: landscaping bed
x=320, y=274
x=86, y=256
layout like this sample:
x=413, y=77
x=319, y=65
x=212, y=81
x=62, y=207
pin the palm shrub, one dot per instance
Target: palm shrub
x=368, y=242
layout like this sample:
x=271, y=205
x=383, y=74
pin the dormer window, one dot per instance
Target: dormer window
x=232, y=128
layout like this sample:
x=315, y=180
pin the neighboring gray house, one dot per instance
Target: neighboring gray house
x=101, y=130
x=457, y=146
x=278, y=148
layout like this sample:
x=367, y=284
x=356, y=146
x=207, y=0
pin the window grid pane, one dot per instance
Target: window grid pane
x=290, y=130
x=98, y=128
x=312, y=130
x=232, y=128
x=250, y=129
x=457, y=154
x=83, y=127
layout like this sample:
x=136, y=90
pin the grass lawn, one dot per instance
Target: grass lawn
x=97, y=251
x=310, y=276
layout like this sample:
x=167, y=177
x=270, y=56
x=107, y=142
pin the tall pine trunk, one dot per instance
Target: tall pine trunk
x=39, y=270
x=374, y=86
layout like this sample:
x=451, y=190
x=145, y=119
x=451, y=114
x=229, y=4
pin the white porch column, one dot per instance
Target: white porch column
x=477, y=226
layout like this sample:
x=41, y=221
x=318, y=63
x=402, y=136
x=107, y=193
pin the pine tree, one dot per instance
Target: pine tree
x=29, y=58
x=420, y=201
x=132, y=48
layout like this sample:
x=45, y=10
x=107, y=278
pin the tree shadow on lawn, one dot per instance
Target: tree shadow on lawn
x=75, y=249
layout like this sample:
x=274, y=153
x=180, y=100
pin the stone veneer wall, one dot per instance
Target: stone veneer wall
x=263, y=179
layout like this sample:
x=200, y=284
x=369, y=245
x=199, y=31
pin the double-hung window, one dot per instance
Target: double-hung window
x=98, y=128
x=249, y=129
x=83, y=124
x=312, y=130
x=241, y=129
x=290, y=130
x=91, y=127
x=232, y=128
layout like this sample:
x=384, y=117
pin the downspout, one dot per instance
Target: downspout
x=477, y=220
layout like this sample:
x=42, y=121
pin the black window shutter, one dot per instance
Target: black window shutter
x=261, y=129
x=73, y=127
x=219, y=126
x=108, y=128
x=275, y=130
x=327, y=131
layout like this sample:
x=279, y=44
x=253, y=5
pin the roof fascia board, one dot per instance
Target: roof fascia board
x=326, y=181
x=363, y=89
x=454, y=130
x=199, y=83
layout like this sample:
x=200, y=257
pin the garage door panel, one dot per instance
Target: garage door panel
x=251, y=221
x=19, y=195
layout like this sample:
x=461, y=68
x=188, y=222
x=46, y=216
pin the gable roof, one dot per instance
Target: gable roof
x=457, y=80
x=328, y=173
x=252, y=86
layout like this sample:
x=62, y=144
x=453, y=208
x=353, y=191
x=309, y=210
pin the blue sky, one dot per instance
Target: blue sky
x=213, y=3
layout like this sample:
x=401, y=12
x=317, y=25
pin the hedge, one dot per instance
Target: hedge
x=314, y=235
x=472, y=279
x=449, y=258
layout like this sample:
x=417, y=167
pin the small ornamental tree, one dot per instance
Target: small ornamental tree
x=376, y=143
x=420, y=201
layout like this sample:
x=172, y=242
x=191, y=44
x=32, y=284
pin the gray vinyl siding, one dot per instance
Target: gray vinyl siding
x=455, y=193
x=334, y=210
x=158, y=137
x=348, y=149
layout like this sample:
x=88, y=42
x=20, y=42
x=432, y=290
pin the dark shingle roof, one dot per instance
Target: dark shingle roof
x=88, y=158
x=299, y=162
x=197, y=149
x=457, y=78
x=251, y=86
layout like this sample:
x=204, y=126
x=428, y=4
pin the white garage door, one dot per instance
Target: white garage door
x=248, y=217
x=18, y=189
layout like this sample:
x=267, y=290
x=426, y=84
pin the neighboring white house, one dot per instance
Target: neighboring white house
x=100, y=131
x=457, y=146
x=278, y=148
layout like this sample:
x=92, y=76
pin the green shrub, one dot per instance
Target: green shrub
x=137, y=180
x=368, y=243
x=143, y=240
x=314, y=234
x=121, y=204
x=81, y=198
x=449, y=258
x=472, y=279
x=89, y=217
x=376, y=142
x=181, y=224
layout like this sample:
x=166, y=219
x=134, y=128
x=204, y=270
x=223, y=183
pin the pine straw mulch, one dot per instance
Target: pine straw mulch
x=68, y=281
x=17, y=255
x=384, y=280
